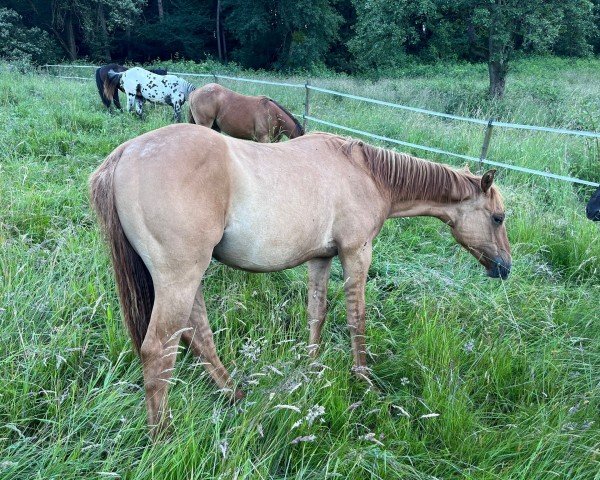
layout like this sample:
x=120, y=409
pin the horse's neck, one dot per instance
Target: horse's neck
x=426, y=188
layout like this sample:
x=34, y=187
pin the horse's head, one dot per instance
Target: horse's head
x=592, y=209
x=478, y=225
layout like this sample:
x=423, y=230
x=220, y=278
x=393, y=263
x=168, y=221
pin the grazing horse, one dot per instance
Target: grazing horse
x=242, y=116
x=101, y=75
x=592, y=209
x=173, y=198
x=139, y=85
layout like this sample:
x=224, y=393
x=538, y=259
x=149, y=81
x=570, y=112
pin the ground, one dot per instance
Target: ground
x=478, y=378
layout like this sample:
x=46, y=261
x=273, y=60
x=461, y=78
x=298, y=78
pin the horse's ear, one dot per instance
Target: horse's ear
x=487, y=180
x=466, y=168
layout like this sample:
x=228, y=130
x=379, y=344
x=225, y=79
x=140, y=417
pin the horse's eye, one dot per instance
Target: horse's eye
x=498, y=218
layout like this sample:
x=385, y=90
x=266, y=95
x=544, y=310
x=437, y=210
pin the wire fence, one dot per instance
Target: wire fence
x=490, y=123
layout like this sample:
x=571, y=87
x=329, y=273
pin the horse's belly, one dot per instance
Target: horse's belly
x=260, y=249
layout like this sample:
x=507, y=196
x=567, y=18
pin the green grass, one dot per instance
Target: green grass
x=512, y=368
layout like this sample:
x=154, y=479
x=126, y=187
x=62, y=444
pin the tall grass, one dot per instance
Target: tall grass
x=478, y=378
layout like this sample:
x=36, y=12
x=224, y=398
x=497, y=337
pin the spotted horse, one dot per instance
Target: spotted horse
x=140, y=85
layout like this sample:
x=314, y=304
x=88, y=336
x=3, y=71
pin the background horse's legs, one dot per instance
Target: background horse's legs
x=200, y=340
x=318, y=277
x=173, y=302
x=356, y=264
x=130, y=101
x=116, y=100
x=139, y=102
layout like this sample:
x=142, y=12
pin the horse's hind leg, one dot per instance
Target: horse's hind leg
x=172, y=306
x=355, y=263
x=318, y=277
x=200, y=339
x=116, y=100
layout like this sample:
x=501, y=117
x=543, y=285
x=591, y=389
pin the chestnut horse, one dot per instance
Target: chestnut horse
x=101, y=76
x=167, y=211
x=592, y=208
x=242, y=116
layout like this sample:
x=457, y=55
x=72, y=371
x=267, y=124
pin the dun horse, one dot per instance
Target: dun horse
x=139, y=85
x=167, y=211
x=101, y=76
x=242, y=116
x=592, y=209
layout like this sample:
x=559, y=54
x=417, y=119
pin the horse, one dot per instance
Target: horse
x=101, y=75
x=592, y=208
x=242, y=116
x=140, y=85
x=166, y=212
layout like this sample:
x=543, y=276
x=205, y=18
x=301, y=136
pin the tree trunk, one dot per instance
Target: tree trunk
x=103, y=33
x=71, y=45
x=219, y=30
x=161, y=12
x=498, y=70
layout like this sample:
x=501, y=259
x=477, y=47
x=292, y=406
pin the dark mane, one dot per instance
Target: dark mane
x=299, y=129
x=414, y=178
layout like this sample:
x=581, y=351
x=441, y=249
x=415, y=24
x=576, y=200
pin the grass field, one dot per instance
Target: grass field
x=478, y=378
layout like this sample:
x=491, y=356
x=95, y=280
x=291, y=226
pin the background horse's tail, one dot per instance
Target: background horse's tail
x=100, y=85
x=111, y=83
x=297, y=131
x=134, y=283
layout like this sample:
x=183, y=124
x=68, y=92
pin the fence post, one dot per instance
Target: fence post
x=215, y=77
x=306, y=104
x=486, y=143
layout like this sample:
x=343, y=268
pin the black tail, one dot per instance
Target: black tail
x=100, y=85
x=111, y=83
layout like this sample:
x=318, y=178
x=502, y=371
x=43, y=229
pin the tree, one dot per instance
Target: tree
x=287, y=34
x=19, y=43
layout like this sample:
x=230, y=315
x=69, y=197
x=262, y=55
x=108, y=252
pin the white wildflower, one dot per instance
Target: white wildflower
x=307, y=438
x=370, y=437
x=288, y=407
x=224, y=447
x=314, y=413
x=250, y=350
x=430, y=415
x=404, y=381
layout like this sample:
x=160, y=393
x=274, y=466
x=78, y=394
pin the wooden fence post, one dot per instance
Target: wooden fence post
x=306, y=104
x=486, y=143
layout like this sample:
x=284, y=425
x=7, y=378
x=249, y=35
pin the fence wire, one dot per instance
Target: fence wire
x=489, y=123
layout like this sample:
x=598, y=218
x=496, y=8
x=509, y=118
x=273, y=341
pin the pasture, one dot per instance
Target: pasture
x=478, y=378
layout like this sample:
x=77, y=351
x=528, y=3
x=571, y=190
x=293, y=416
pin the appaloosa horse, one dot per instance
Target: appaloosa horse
x=139, y=85
x=173, y=198
x=242, y=116
x=592, y=209
x=101, y=75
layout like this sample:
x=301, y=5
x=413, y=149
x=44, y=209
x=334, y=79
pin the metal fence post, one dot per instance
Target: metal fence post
x=486, y=143
x=215, y=77
x=306, y=104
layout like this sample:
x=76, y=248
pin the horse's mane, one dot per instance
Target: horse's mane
x=299, y=128
x=415, y=178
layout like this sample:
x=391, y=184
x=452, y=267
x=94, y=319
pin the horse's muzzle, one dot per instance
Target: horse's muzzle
x=500, y=268
x=593, y=214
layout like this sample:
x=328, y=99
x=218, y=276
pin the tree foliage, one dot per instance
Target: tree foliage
x=349, y=35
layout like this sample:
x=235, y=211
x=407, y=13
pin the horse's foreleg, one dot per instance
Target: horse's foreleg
x=130, y=101
x=172, y=306
x=318, y=277
x=356, y=264
x=139, y=102
x=177, y=112
x=200, y=339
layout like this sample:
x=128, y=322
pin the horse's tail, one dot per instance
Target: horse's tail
x=100, y=85
x=134, y=283
x=111, y=83
x=298, y=130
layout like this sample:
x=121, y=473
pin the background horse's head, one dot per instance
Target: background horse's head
x=593, y=207
x=478, y=225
